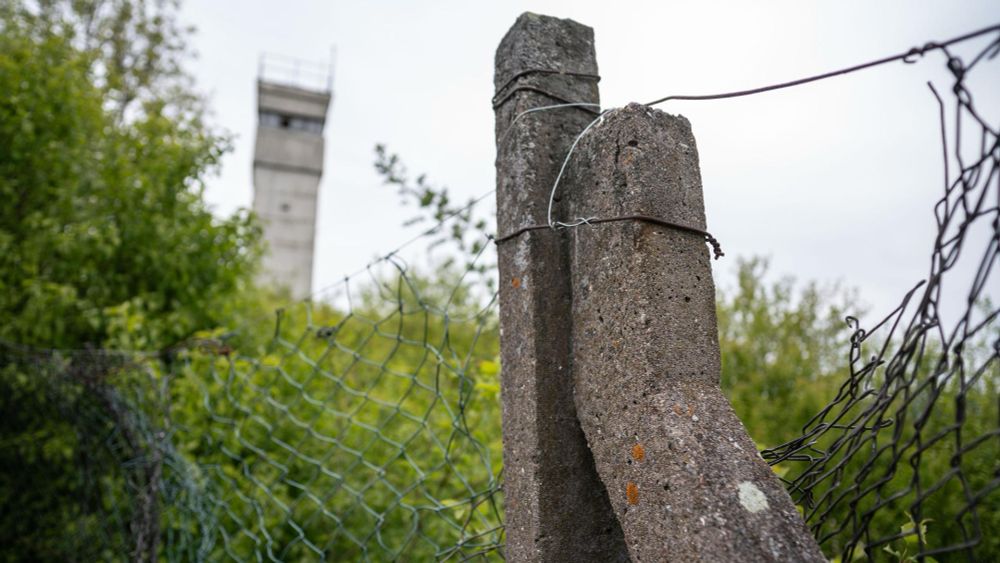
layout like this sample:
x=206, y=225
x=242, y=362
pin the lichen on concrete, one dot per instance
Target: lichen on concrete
x=752, y=498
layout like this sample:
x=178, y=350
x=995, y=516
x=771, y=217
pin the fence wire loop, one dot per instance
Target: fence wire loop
x=591, y=221
x=505, y=92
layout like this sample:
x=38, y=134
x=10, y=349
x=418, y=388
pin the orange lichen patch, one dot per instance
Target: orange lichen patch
x=632, y=493
x=516, y=282
x=638, y=452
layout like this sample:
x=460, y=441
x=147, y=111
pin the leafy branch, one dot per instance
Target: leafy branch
x=449, y=222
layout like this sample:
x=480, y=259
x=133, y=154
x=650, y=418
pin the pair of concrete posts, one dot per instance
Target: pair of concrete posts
x=618, y=442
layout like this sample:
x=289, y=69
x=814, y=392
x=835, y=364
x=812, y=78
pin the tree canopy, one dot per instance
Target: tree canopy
x=105, y=238
x=105, y=242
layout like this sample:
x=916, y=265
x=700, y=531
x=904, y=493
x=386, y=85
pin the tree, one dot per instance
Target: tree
x=136, y=47
x=785, y=356
x=105, y=242
x=105, y=239
x=783, y=349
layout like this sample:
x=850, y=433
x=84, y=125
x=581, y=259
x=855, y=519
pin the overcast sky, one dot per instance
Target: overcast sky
x=833, y=181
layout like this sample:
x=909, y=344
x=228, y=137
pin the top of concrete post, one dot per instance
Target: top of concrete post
x=538, y=42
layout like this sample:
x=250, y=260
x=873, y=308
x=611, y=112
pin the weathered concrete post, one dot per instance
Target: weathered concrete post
x=684, y=477
x=556, y=507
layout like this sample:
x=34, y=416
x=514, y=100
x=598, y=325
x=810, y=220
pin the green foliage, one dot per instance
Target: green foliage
x=136, y=47
x=457, y=225
x=39, y=470
x=371, y=430
x=948, y=453
x=105, y=242
x=785, y=355
x=366, y=433
x=104, y=236
x=783, y=351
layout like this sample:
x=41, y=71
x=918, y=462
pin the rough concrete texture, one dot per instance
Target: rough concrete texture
x=287, y=168
x=684, y=478
x=556, y=507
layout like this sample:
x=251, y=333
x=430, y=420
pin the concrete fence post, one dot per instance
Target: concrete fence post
x=556, y=507
x=684, y=478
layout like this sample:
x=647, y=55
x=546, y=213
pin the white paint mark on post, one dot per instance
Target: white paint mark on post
x=751, y=497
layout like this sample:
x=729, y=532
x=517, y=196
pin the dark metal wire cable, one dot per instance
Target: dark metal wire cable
x=711, y=240
x=907, y=57
x=904, y=458
x=537, y=90
x=502, y=94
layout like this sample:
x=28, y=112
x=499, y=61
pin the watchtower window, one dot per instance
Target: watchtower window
x=292, y=122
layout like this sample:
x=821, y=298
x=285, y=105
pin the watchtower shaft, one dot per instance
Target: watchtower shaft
x=287, y=167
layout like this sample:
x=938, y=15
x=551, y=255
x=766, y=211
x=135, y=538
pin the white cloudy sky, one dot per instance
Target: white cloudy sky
x=832, y=181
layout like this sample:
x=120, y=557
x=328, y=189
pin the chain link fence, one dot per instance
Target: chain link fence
x=365, y=426
x=904, y=463
x=366, y=430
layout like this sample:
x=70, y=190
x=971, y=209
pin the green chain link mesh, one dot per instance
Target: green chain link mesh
x=365, y=427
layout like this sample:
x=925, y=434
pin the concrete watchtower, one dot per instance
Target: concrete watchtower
x=292, y=101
